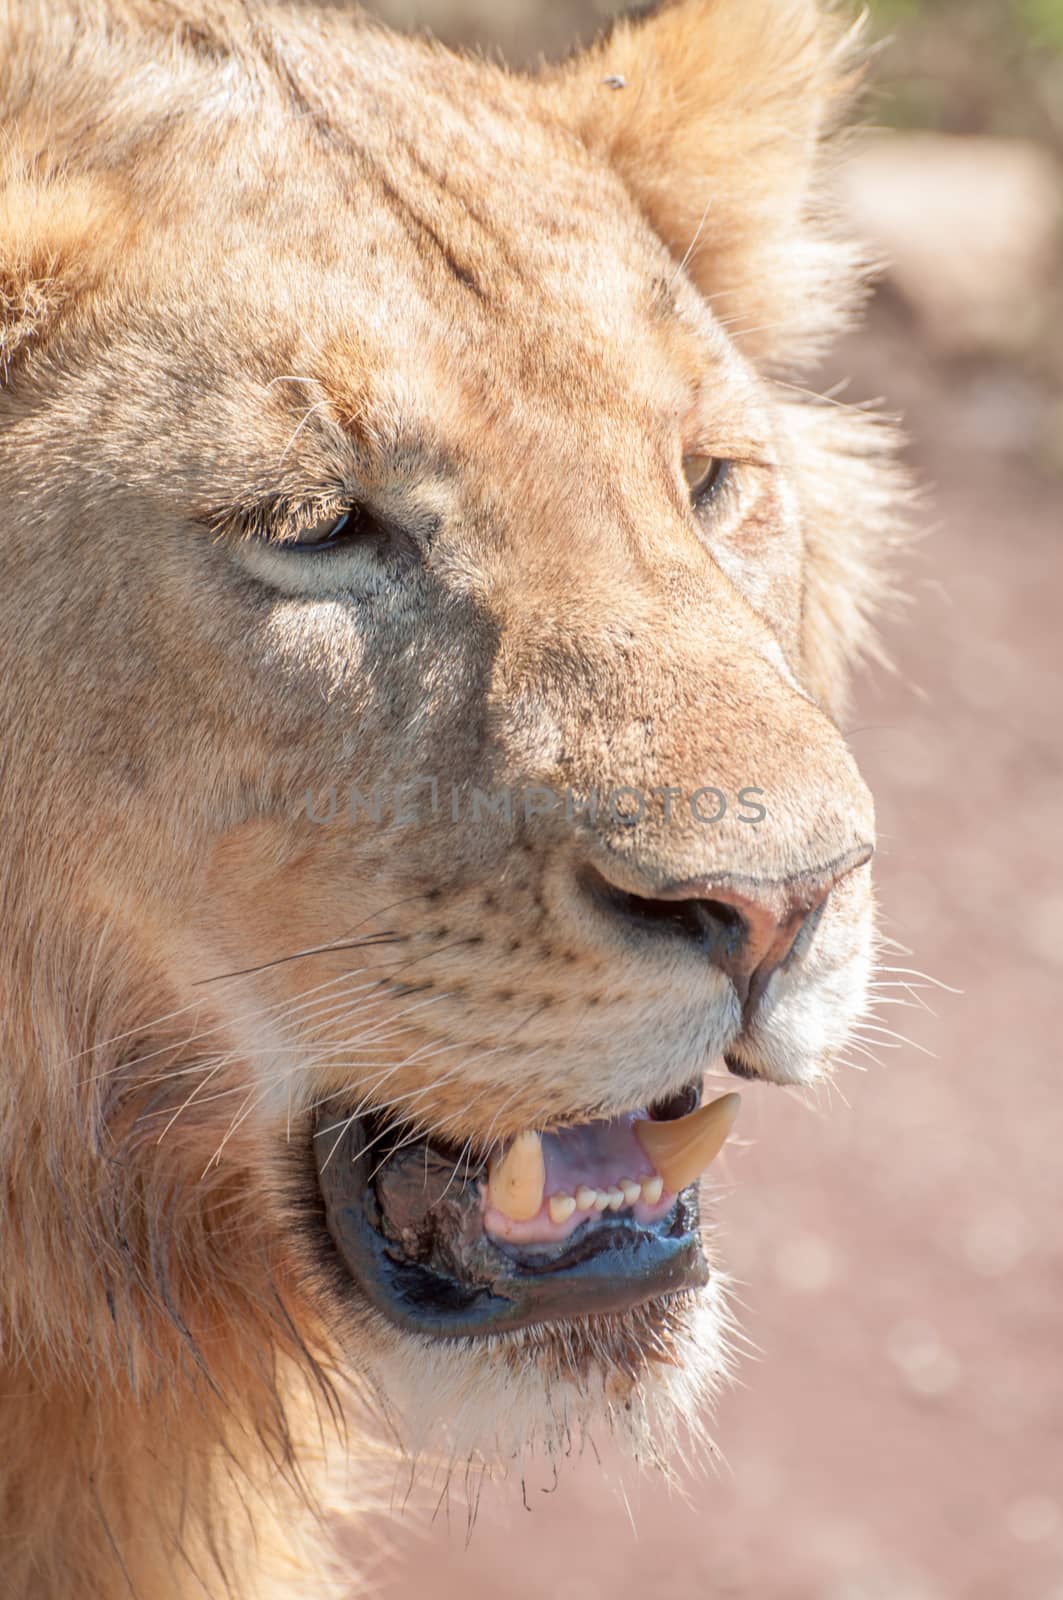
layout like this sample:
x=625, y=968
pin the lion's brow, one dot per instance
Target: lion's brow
x=422, y=229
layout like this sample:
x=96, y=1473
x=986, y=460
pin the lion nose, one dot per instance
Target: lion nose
x=747, y=928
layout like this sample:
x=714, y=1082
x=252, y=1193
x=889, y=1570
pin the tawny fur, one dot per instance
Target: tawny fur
x=248, y=259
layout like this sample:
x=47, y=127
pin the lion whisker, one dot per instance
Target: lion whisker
x=923, y=977
x=366, y=942
x=862, y=1028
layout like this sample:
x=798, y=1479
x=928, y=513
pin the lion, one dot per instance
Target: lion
x=429, y=603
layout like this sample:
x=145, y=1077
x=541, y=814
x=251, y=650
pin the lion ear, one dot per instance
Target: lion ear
x=49, y=242
x=714, y=113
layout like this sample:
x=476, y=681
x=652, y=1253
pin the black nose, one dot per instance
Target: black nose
x=746, y=928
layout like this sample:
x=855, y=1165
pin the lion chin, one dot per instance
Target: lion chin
x=427, y=613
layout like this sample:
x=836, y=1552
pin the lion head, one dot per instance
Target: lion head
x=427, y=611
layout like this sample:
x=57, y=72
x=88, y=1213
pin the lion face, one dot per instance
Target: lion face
x=425, y=619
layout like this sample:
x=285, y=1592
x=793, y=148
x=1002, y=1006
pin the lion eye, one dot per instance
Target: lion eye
x=324, y=535
x=704, y=474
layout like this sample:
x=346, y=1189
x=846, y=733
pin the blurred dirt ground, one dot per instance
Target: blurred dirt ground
x=899, y=1435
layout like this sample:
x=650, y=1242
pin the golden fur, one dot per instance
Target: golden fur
x=249, y=257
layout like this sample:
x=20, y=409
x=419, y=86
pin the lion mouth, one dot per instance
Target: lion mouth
x=592, y=1219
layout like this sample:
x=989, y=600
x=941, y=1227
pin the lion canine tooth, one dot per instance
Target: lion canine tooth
x=585, y=1197
x=631, y=1190
x=516, y=1181
x=561, y=1207
x=652, y=1190
x=681, y=1150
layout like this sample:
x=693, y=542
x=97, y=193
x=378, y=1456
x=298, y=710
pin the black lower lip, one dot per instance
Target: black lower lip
x=437, y=1273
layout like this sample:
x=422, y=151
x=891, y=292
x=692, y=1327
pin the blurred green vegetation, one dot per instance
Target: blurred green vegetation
x=971, y=66
x=1039, y=21
x=1044, y=19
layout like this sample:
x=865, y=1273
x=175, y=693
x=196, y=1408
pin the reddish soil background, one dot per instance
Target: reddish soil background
x=899, y=1435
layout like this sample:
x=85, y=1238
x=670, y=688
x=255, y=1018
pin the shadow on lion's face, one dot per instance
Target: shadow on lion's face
x=426, y=618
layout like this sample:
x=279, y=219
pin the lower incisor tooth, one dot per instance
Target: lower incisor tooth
x=652, y=1189
x=586, y=1197
x=601, y=1200
x=616, y=1198
x=631, y=1190
x=561, y=1207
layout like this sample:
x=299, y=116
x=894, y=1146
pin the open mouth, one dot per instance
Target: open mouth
x=586, y=1220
